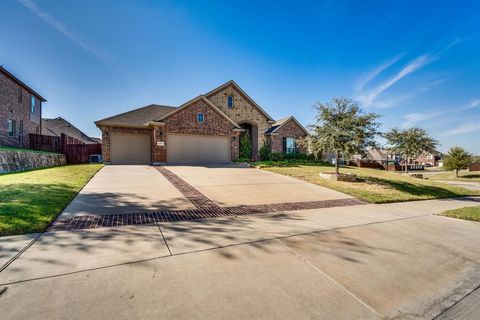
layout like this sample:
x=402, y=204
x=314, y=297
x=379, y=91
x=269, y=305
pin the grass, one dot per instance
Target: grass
x=30, y=200
x=468, y=213
x=463, y=175
x=24, y=150
x=376, y=186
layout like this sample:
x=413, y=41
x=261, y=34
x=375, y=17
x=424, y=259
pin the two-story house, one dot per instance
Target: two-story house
x=205, y=129
x=20, y=111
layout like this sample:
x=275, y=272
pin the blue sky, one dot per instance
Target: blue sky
x=415, y=62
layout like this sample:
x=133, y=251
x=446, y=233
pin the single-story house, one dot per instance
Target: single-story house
x=205, y=129
x=57, y=126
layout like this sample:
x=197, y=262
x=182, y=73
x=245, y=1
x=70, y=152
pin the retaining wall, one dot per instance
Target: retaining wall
x=13, y=160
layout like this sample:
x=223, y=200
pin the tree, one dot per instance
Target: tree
x=410, y=142
x=457, y=159
x=343, y=128
x=245, y=145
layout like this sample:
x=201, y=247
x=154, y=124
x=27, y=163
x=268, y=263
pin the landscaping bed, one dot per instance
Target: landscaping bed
x=31, y=200
x=374, y=186
x=468, y=213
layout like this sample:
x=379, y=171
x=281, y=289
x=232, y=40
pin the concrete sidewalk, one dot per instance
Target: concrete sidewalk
x=363, y=262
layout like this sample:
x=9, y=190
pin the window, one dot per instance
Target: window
x=290, y=145
x=20, y=98
x=11, y=128
x=20, y=131
x=32, y=104
x=230, y=101
x=200, y=117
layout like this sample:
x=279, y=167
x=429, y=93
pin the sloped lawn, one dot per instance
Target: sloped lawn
x=376, y=186
x=30, y=200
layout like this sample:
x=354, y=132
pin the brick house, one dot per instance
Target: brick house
x=205, y=129
x=20, y=111
x=58, y=126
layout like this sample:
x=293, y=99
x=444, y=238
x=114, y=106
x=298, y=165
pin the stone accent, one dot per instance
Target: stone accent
x=346, y=177
x=17, y=109
x=243, y=111
x=185, y=121
x=107, y=130
x=289, y=129
x=13, y=160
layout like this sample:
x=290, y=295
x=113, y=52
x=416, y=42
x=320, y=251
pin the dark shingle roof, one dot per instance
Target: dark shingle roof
x=57, y=126
x=138, y=117
x=278, y=124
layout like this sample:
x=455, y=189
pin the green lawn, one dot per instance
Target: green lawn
x=30, y=200
x=376, y=186
x=463, y=175
x=468, y=213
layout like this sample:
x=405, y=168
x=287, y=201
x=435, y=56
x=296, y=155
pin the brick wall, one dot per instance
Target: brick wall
x=185, y=121
x=290, y=129
x=242, y=112
x=11, y=108
x=106, y=132
x=474, y=167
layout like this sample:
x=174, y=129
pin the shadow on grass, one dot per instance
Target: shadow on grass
x=28, y=208
x=420, y=190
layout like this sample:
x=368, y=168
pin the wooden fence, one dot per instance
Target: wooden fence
x=75, y=151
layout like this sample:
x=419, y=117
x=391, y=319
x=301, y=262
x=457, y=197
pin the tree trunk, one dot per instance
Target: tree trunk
x=337, y=160
x=456, y=173
x=406, y=165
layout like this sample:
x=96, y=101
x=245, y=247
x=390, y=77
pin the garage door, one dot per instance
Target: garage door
x=127, y=148
x=186, y=148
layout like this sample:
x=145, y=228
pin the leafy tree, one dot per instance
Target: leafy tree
x=457, y=159
x=343, y=128
x=245, y=145
x=410, y=142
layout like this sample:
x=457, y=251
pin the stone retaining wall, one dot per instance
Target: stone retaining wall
x=13, y=160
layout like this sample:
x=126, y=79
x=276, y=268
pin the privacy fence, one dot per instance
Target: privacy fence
x=75, y=151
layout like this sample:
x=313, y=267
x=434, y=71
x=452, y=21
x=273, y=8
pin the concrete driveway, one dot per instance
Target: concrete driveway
x=362, y=262
x=131, y=189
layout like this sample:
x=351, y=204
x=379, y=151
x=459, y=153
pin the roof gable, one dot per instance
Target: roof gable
x=57, y=126
x=21, y=83
x=242, y=93
x=282, y=122
x=188, y=103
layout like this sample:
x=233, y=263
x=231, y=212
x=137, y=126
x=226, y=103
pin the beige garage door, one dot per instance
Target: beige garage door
x=187, y=148
x=128, y=148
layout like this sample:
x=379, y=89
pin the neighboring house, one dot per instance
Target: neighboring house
x=20, y=111
x=381, y=155
x=97, y=140
x=433, y=158
x=57, y=126
x=205, y=129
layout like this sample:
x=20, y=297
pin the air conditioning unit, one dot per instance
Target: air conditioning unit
x=95, y=158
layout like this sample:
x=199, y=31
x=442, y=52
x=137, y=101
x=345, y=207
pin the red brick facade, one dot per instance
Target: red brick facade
x=289, y=129
x=184, y=121
x=15, y=105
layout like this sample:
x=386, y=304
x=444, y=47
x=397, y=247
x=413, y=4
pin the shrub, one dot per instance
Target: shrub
x=265, y=152
x=245, y=145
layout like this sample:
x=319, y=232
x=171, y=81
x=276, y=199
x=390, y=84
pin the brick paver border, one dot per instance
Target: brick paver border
x=204, y=209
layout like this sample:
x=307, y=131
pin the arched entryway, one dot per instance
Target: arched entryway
x=252, y=130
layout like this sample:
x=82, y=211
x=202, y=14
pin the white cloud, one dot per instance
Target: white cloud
x=414, y=118
x=369, y=97
x=462, y=129
x=375, y=72
x=473, y=104
x=55, y=24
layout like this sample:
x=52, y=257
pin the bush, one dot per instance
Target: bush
x=265, y=152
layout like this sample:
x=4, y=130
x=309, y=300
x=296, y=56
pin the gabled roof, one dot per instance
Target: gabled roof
x=57, y=126
x=20, y=82
x=281, y=122
x=139, y=117
x=243, y=93
x=188, y=103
